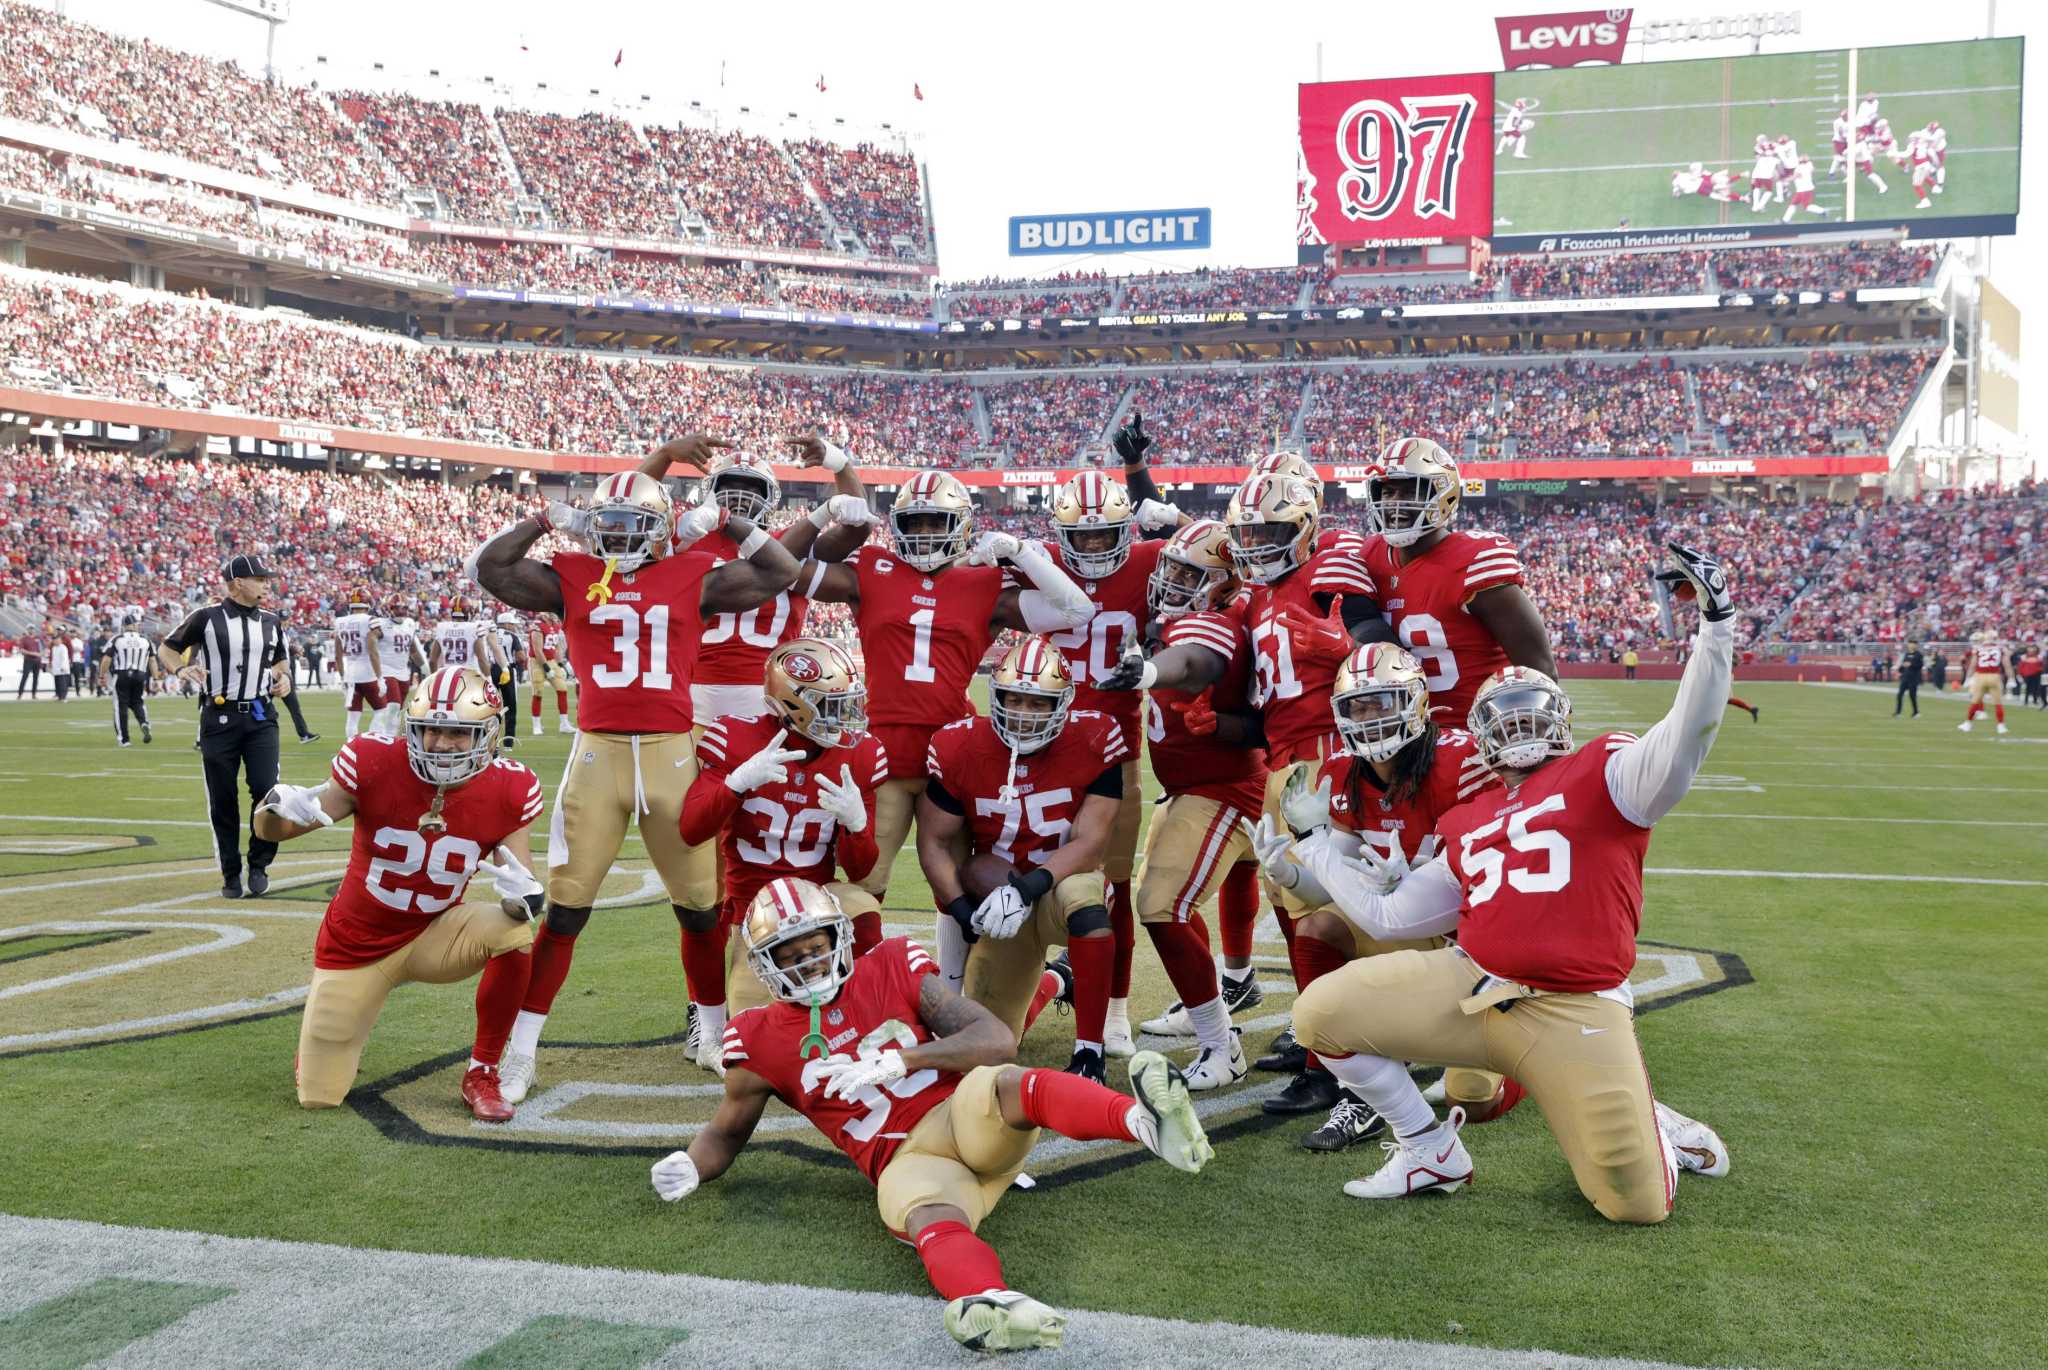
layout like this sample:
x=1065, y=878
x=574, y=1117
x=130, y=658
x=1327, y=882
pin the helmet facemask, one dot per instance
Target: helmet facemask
x=1179, y=586
x=1022, y=721
x=1265, y=551
x=836, y=716
x=1108, y=547
x=1520, y=725
x=444, y=766
x=1379, y=718
x=928, y=538
x=629, y=537
x=743, y=492
x=811, y=979
x=1406, y=509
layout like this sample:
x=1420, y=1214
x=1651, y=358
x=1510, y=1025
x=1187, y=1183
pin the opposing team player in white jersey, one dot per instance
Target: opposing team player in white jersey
x=1763, y=176
x=1514, y=128
x=403, y=660
x=358, y=640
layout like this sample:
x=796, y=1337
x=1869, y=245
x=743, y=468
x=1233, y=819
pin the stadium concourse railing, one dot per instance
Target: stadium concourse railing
x=46, y=405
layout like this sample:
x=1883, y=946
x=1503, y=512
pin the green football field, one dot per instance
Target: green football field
x=1841, y=947
x=1606, y=139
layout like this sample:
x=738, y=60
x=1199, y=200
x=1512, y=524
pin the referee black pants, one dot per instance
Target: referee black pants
x=1909, y=688
x=128, y=688
x=231, y=741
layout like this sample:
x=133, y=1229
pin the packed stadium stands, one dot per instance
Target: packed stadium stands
x=1238, y=288
x=1052, y=419
x=1608, y=275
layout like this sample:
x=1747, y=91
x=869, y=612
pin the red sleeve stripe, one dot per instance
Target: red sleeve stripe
x=1114, y=752
x=1466, y=791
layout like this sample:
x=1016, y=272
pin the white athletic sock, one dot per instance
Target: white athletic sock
x=1080, y=1044
x=355, y=717
x=712, y=1016
x=526, y=1032
x=1238, y=977
x=1211, y=1022
x=1120, y=1013
x=1385, y=1085
x=475, y=1064
x=952, y=952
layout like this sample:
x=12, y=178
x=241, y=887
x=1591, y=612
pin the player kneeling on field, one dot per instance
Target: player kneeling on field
x=907, y=1078
x=431, y=811
x=1543, y=884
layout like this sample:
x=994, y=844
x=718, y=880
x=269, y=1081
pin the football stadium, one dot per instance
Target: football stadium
x=630, y=742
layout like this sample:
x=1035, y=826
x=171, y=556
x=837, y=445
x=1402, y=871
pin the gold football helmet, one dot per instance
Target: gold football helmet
x=1381, y=700
x=741, y=483
x=1272, y=522
x=932, y=520
x=453, y=720
x=1520, y=718
x=1413, y=491
x=1194, y=572
x=788, y=910
x=1029, y=693
x=815, y=688
x=1093, y=518
x=1291, y=464
x=631, y=519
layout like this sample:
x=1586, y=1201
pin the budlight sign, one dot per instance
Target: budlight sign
x=1129, y=230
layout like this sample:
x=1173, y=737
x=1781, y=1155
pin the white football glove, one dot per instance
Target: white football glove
x=1383, y=874
x=299, y=804
x=511, y=881
x=1156, y=516
x=675, y=1176
x=698, y=523
x=568, y=520
x=1001, y=914
x=1305, y=808
x=994, y=547
x=845, y=1078
x=769, y=766
x=1271, y=846
x=850, y=511
x=843, y=801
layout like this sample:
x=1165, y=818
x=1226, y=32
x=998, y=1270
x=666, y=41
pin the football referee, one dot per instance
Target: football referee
x=128, y=659
x=237, y=659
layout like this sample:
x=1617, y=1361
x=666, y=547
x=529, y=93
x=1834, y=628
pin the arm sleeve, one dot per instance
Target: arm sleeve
x=1648, y=777
x=1364, y=620
x=1054, y=602
x=858, y=851
x=1138, y=480
x=936, y=791
x=1426, y=904
x=1110, y=784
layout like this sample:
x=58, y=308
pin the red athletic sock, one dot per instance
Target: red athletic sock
x=1199, y=927
x=1739, y=702
x=1048, y=990
x=551, y=955
x=1237, y=909
x=1312, y=960
x=1971, y=716
x=1286, y=922
x=959, y=1264
x=562, y=703
x=1123, y=930
x=867, y=932
x=499, y=991
x=2001, y=711
x=1186, y=958
x=1092, y=958
x=536, y=706
x=704, y=964
x=1076, y=1108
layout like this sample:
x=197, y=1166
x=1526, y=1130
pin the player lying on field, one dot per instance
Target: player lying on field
x=431, y=810
x=908, y=1079
x=1543, y=884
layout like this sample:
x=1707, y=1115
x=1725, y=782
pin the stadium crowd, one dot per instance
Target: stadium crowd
x=739, y=185
x=871, y=191
x=1858, y=264
x=444, y=145
x=1374, y=291
x=1052, y=419
x=841, y=296
x=1217, y=288
x=1218, y=415
x=1607, y=276
x=1826, y=402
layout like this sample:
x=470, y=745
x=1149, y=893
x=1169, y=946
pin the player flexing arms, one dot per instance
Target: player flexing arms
x=633, y=615
x=1398, y=774
x=431, y=811
x=357, y=639
x=548, y=649
x=912, y=1086
x=1037, y=789
x=926, y=608
x=1986, y=679
x=1543, y=884
x=792, y=792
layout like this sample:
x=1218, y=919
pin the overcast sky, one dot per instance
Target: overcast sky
x=1027, y=109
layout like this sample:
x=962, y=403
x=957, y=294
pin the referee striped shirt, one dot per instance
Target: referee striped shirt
x=131, y=652
x=237, y=646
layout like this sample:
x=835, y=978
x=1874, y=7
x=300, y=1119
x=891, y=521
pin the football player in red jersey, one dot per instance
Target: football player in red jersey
x=1543, y=884
x=927, y=606
x=1985, y=679
x=548, y=649
x=1398, y=773
x=1214, y=776
x=792, y=792
x=1037, y=786
x=431, y=811
x=910, y=1081
x=633, y=615
x=1455, y=598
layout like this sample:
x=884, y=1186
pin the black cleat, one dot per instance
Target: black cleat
x=259, y=882
x=231, y=889
x=1062, y=967
x=1087, y=1064
x=1312, y=1091
x=1756, y=715
x=145, y=734
x=1352, y=1121
x=1288, y=1057
x=310, y=737
x=1239, y=995
x=508, y=743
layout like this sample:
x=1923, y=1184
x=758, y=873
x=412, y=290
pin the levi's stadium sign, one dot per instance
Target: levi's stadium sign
x=1563, y=40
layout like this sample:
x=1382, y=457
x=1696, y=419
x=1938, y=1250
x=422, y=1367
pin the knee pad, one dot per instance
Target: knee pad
x=566, y=920
x=1081, y=922
x=695, y=920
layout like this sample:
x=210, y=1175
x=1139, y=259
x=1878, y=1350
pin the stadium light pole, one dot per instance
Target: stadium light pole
x=272, y=13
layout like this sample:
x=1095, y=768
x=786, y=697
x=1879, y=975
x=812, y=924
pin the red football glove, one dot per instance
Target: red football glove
x=1320, y=641
x=1199, y=715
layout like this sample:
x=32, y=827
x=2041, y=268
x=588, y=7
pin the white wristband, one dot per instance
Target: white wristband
x=1148, y=677
x=821, y=515
x=755, y=541
x=836, y=459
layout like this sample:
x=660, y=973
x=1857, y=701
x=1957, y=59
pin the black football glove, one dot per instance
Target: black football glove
x=1131, y=440
x=1696, y=574
x=1128, y=673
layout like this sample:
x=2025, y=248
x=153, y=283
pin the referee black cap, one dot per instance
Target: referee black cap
x=234, y=568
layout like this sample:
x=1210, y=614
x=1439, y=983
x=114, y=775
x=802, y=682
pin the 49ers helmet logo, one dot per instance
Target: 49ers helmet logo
x=801, y=668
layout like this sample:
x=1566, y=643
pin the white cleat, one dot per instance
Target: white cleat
x=1116, y=1036
x=564, y=727
x=1963, y=726
x=1699, y=1147
x=1238, y=995
x=515, y=1076
x=1434, y=1162
x=1004, y=1320
x=2001, y=730
x=1214, y=1069
x=1164, y=1117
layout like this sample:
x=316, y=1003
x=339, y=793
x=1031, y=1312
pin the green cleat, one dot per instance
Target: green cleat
x=1004, y=1320
x=1166, y=1116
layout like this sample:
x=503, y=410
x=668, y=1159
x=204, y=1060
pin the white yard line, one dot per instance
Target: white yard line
x=1671, y=166
x=1844, y=818
x=1846, y=875
x=1547, y=113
